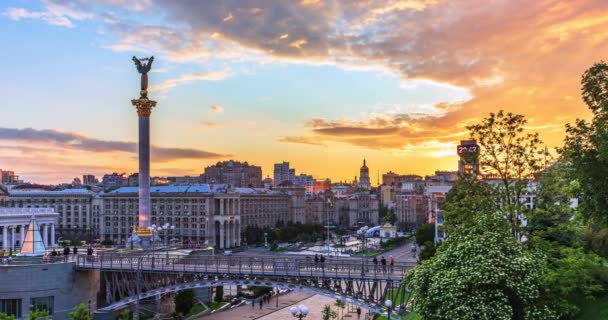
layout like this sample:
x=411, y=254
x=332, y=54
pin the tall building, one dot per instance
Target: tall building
x=3, y=197
x=307, y=182
x=89, y=180
x=364, y=182
x=283, y=173
x=468, y=153
x=388, y=178
x=235, y=173
x=9, y=177
x=114, y=180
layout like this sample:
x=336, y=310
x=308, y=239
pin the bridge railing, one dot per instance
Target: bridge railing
x=243, y=265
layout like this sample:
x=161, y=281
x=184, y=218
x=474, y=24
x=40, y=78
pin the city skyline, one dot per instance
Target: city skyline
x=322, y=85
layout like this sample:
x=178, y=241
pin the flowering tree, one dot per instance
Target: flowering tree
x=481, y=272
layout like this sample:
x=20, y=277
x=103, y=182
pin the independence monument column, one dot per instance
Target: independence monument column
x=144, y=110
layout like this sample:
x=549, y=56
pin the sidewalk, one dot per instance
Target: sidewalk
x=246, y=312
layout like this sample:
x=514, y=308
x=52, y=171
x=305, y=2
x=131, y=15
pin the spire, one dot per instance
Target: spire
x=364, y=162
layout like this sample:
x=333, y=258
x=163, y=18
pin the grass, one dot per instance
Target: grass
x=217, y=305
x=410, y=316
x=196, y=309
x=594, y=310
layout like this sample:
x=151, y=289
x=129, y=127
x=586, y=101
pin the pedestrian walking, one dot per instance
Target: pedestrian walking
x=322, y=259
x=66, y=251
x=358, y=313
x=252, y=303
x=383, y=261
x=75, y=250
x=375, y=261
x=392, y=263
x=316, y=261
x=261, y=303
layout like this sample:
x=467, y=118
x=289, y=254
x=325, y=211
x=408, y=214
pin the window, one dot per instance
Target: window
x=11, y=307
x=43, y=303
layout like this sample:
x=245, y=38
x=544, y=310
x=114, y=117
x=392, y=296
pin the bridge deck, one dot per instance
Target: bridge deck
x=246, y=266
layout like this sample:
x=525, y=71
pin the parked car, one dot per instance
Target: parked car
x=413, y=247
x=227, y=252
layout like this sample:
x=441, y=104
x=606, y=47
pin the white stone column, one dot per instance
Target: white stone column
x=45, y=235
x=53, y=235
x=221, y=207
x=13, y=237
x=4, y=238
x=22, y=234
x=238, y=234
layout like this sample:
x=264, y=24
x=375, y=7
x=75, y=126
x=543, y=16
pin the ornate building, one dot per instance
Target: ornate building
x=364, y=182
x=74, y=207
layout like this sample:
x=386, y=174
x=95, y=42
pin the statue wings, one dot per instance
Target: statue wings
x=143, y=68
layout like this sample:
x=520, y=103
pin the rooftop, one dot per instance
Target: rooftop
x=196, y=188
x=30, y=192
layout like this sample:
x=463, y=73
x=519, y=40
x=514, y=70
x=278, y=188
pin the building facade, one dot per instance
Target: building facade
x=114, y=180
x=73, y=206
x=14, y=222
x=89, y=180
x=234, y=173
x=283, y=173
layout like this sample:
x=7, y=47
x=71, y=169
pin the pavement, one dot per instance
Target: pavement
x=402, y=253
x=315, y=304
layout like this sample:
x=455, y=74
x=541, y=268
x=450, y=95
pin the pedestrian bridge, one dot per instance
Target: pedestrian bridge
x=127, y=278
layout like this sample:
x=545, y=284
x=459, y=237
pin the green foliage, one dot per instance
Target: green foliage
x=428, y=251
x=480, y=272
x=340, y=305
x=184, y=301
x=260, y=291
x=468, y=195
x=219, y=294
x=586, y=146
x=4, y=316
x=572, y=273
x=125, y=315
x=285, y=233
x=394, y=242
x=425, y=233
x=80, y=313
x=327, y=313
x=513, y=156
x=387, y=215
x=38, y=315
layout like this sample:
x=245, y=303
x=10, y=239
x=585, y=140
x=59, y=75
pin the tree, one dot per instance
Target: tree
x=425, y=233
x=39, y=315
x=468, y=195
x=219, y=294
x=341, y=305
x=572, y=274
x=80, y=313
x=428, y=251
x=586, y=146
x=511, y=155
x=125, y=315
x=481, y=272
x=184, y=301
x=327, y=313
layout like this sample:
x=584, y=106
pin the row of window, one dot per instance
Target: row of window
x=13, y=306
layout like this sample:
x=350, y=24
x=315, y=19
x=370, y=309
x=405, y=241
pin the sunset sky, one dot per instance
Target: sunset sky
x=321, y=84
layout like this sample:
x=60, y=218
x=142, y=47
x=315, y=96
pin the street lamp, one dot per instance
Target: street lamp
x=299, y=312
x=167, y=227
x=329, y=205
x=389, y=305
x=362, y=233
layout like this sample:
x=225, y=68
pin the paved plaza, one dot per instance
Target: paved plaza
x=269, y=311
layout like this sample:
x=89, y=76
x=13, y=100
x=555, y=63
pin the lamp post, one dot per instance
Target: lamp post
x=389, y=305
x=329, y=205
x=167, y=227
x=300, y=312
x=362, y=233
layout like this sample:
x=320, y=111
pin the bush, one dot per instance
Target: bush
x=184, y=301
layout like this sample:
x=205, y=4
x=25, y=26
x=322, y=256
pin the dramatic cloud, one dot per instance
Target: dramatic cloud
x=74, y=141
x=216, y=109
